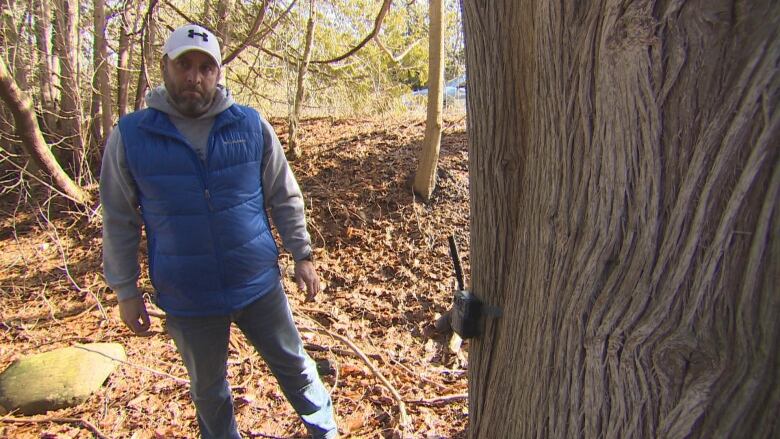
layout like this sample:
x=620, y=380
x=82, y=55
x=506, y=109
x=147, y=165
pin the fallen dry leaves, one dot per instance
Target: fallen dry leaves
x=382, y=255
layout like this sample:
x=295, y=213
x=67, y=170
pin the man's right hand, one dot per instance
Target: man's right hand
x=133, y=313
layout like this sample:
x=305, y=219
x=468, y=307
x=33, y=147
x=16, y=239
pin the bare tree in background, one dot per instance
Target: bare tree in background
x=21, y=106
x=123, y=62
x=47, y=64
x=66, y=31
x=12, y=22
x=102, y=75
x=625, y=180
x=149, y=32
x=294, y=147
x=425, y=178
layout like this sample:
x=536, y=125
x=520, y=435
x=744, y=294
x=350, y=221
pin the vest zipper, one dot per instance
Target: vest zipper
x=214, y=238
x=208, y=199
x=203, y=171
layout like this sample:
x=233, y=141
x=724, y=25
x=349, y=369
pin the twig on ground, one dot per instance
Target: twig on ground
x=66, y=268
x=148, y=369
x=52, y=309
x=398, y=365
x=337, y=351
x=403, y=417
x=88, y=425
x=317, y=229
x=57, y=317
x=440, y=400
x=267, y=436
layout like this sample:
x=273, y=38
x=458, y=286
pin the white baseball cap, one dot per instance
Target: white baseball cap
x=192, y=37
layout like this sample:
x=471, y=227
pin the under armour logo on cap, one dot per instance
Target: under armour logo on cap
x=191, y=33
x=192, y=37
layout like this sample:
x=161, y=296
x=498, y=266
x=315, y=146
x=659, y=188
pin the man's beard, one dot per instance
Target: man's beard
x=188, y=104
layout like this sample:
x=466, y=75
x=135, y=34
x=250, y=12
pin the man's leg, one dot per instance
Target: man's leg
x=269, y=326
x=203, y=345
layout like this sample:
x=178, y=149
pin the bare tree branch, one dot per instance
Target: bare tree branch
x=396, y=58
x=374, y=32
x=147, y=32
x=251, y=36
x=186, y=17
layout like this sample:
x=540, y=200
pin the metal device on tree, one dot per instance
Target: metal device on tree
x=467, y=309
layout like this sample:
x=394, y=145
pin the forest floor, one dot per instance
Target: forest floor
x=382, y=254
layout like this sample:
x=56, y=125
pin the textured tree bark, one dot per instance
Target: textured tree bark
x=66, y=22
x=425, y=178
x=294, y=147
x=12, y=22
x=102, y=72
x=625, y=179
x=149, y=32
x=9, y=41
x=123, y=64
x=47, y=64
x=21, y=106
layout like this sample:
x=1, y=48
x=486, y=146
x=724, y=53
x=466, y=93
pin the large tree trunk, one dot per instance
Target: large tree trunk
x=625, y=181
x=32, y=140
x=425, y=179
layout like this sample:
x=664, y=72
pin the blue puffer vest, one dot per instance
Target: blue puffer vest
x=210, y=247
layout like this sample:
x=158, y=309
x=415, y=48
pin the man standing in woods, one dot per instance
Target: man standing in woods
x=199, y=171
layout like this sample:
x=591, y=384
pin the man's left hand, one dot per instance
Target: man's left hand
x=306, y=277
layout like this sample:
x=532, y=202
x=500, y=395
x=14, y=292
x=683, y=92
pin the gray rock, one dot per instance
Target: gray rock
x=57, y=379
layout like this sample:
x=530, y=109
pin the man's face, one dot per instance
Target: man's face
x=191, y=81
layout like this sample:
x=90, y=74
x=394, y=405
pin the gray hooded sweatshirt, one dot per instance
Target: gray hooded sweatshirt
x=121, y=215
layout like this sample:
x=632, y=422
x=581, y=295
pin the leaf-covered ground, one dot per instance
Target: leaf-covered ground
x=382, y=254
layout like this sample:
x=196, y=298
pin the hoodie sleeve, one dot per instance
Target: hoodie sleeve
x=121, y=220
x=283, y=196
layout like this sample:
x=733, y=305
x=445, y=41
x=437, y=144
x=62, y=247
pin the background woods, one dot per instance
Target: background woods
x=83, y=64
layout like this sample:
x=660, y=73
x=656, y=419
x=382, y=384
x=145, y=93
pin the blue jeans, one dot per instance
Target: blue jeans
x=268, y=325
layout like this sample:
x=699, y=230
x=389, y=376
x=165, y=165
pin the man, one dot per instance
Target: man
x=198, y=171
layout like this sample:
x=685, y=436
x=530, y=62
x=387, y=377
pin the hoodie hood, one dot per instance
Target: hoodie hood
x=195, y=129
x=160, y=100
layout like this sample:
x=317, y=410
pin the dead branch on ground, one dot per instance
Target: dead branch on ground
x=85, y=423
x=440, y=400
x=403, y=417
